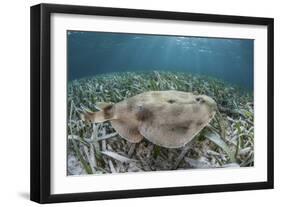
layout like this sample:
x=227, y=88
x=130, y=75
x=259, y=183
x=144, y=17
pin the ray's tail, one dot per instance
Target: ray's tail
x=105, y=114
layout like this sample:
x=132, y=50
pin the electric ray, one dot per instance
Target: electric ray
x=166, y=118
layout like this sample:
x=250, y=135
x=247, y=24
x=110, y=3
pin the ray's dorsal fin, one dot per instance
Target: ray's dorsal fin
x=101, y=105
x=107, y=113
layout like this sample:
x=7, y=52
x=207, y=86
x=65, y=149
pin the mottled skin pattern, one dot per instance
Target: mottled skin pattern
x=166, y=118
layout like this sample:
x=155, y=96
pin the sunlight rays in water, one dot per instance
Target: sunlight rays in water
x=92, y=53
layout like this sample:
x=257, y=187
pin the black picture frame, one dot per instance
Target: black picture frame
x=41, y=96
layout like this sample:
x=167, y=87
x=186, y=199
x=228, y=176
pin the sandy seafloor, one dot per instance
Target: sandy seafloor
x=228, y=141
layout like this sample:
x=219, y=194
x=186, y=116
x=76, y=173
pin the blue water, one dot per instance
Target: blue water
x=92, y=53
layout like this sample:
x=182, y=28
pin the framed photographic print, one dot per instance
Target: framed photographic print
x=132, y=103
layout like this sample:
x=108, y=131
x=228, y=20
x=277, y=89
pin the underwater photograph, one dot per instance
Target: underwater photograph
x=147, y=102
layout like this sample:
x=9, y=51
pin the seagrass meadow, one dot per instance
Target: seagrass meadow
x=96, y=148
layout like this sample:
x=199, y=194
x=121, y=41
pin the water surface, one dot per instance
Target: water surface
x=92, y=53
